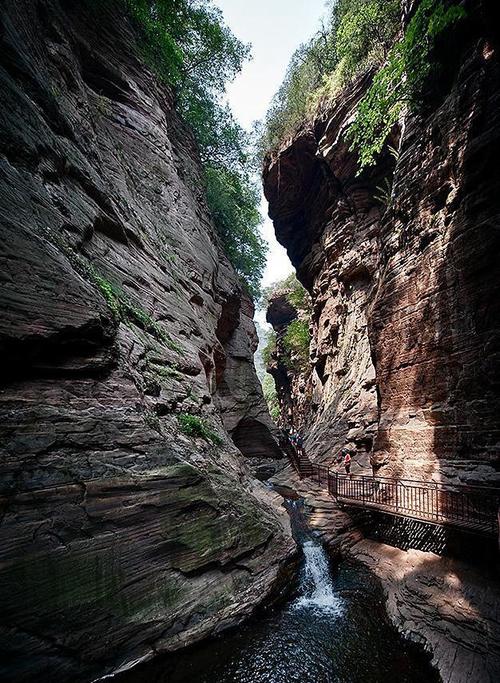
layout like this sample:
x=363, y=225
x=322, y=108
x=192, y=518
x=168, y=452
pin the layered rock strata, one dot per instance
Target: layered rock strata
x=406, y=319
x=120, y=535
x=443, y=604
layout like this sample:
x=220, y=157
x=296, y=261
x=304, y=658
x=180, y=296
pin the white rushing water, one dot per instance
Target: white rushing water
x=317, y=586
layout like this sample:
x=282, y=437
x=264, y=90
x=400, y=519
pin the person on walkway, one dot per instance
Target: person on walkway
x=347, y=463
x=342, y=455
x=300, y=444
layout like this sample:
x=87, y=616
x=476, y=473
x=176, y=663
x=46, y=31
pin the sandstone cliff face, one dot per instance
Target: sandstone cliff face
x=120, y=536
x=406, y=319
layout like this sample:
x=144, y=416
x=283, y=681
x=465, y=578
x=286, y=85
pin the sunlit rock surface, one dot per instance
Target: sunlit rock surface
x=444, y=604
x=120, y=535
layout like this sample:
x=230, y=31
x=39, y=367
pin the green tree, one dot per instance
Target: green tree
x=271, y=397
x=289, y=106
x=233, y=199
x=296, y=341
x=364, y=32
x=356, y=35
x=190, y=47
x=269, y=349
x=296, y=295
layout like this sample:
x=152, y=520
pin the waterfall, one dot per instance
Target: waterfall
x=316, y=584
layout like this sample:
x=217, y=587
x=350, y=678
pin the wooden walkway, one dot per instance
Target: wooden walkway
x=472, y=508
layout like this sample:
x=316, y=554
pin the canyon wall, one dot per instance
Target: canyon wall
x=401, y=264
x=121, y=536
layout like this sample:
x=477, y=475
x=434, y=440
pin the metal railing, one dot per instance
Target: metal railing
x=472, y=507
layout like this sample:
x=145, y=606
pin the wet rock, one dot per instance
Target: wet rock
x=337, y=528
x=447, y=605
x=442, y=604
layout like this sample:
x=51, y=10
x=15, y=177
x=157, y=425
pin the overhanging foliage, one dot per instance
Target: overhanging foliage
x=188, y=45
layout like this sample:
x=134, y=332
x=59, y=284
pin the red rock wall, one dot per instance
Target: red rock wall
x=406, y=315
x=329, y=220
x=435, y=327
x=120, y=536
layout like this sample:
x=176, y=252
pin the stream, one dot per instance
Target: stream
x=333, y=628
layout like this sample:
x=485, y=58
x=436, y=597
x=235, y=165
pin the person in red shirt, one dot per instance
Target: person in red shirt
x=347, y=463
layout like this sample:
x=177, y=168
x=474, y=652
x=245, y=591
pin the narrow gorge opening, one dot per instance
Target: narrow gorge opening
x=249, y=404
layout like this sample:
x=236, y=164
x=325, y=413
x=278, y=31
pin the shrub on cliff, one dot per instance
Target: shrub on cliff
x=361, y=34
x=188, y=45
x=399, y=83
x=296, y=341
x=297, y=295
x=289, y=106
x=191, y=425
x=356, y=35
x=269, y=349
x=233, y=199
x=271, y=397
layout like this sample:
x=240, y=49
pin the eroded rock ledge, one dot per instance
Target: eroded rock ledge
x=442, y=603
x=120, y=536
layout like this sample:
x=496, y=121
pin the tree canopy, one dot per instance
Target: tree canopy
x=359, y=35
x=356, y=35
x=399, y=83
x=190, y=47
